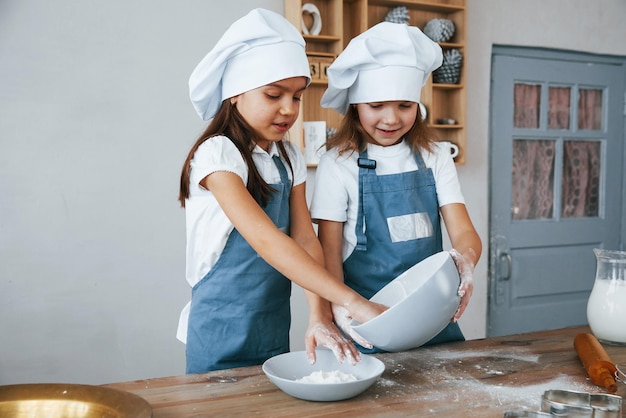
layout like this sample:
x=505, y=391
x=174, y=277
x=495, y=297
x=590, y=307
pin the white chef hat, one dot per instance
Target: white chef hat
x=258, y=49
x=390, y=61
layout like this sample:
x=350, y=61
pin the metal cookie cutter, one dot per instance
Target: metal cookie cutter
x=566, y=403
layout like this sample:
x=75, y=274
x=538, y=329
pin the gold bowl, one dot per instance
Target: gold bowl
x=60, y=400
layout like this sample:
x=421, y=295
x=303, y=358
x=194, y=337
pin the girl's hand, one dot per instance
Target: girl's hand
x=327, y=335
x=343, y=319
x=362, y=310
x=466, y=272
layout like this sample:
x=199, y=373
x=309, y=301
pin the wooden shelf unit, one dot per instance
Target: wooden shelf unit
x=344, y=19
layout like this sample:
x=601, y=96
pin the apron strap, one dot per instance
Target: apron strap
x=286, y=184
x=284, y=177
x=365, y=164
x=421, y=165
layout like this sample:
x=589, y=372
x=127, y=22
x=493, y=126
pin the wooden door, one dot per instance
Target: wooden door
x=556, y=169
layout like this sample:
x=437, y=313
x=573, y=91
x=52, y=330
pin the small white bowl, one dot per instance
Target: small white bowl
x=421, y=303
x=283, y=370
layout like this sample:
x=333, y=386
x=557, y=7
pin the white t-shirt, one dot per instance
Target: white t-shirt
x=208, y=227
x=336, y=192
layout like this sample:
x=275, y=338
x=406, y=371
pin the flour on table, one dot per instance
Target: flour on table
x=490, y=376
x=336, y=376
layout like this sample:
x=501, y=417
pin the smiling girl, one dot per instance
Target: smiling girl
x=384, y=183
x=248, y=226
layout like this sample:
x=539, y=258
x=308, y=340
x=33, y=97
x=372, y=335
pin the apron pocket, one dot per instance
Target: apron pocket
x=410, y=227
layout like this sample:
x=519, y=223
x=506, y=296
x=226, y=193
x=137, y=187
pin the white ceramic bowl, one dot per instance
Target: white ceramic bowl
x=422, y=301
x=283, y=370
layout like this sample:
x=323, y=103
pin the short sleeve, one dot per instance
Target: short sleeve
x=446, y=177
x=330, y=195
x=217, y=154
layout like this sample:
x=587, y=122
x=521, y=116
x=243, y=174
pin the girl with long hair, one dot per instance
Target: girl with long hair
x=249, y=231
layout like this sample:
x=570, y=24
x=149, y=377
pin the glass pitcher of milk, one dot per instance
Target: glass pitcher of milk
x=606, y=308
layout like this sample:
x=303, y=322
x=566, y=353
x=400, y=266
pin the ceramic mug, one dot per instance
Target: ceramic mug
x=454, y=148
x=309, y=10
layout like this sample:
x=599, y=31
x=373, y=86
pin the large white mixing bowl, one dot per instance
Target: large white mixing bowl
x=422, y=301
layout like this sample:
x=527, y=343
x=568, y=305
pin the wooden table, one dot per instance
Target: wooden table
x=478, y=378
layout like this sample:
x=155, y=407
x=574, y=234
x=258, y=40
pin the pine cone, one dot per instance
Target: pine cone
x=399, y=14
x=439, y=30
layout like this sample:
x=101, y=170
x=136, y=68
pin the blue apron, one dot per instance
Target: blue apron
x=390, y=206
x=240, y=313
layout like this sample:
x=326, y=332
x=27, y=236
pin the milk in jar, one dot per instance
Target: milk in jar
x=606, y=308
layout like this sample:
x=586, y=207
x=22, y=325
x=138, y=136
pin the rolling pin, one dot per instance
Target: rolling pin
x=596, y=361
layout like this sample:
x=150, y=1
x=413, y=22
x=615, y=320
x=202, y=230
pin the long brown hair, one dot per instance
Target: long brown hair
x=229, y=122
x=351, y=137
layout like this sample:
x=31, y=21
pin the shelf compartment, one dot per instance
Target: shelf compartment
x=440, y=7
x=448, y=104
x=321, y=38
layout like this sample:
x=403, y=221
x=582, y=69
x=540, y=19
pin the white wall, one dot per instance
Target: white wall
x=94, y=125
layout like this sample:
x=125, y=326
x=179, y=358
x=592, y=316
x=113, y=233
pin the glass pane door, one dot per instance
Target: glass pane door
x=557, y=175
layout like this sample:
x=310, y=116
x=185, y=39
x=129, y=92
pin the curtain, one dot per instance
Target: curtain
x=590, y=109
x=581, y=161
x=534, y=159
x=527, y=99
x=581, y=179
x=533, y=179
x=558, y=107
